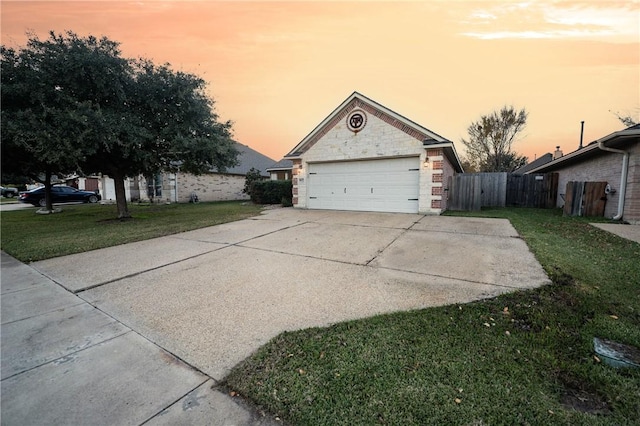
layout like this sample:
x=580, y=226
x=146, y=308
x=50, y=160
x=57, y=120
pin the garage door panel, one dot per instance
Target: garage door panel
x=376, y=185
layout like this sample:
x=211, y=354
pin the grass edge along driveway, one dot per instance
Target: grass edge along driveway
x=520, y=358
x=30, y=237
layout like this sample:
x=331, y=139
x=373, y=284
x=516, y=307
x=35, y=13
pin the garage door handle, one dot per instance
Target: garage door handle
x=372, y=190
x=345, y=190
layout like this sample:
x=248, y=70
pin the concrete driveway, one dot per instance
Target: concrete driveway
x=213, y=296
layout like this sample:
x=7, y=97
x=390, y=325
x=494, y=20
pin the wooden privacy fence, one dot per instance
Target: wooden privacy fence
x=472, y=191
x=585, y=199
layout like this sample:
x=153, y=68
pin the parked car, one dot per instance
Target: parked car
x=59, y=194
x=8, y=192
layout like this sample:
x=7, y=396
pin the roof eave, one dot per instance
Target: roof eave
x=592, y=147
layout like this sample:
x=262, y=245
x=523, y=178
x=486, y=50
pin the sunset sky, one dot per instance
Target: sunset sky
x=277, y=69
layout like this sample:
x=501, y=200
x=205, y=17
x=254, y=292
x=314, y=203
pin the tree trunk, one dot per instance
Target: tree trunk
x=121, y=196
x=47, y=191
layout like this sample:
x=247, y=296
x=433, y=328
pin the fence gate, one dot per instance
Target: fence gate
x=585, y=199
x=465, y=192
x=538, y=190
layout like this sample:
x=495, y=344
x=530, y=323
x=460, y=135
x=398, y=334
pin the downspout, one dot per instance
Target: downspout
x=623, y=177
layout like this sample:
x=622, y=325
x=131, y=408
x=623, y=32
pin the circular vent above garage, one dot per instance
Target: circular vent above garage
x=356, y=120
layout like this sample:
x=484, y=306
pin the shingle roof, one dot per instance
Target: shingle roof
x=248, y=158
x=283, y=164
x=535, y=163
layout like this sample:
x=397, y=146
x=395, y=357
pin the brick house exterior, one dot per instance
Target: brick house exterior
x=593, y=163
x=366, y=157
x=179, y=187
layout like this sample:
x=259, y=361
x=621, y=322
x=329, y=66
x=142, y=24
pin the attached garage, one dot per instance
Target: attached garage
x=366, y=157
x=386, y=185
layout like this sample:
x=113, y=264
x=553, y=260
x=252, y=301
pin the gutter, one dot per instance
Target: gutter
x=623, y=177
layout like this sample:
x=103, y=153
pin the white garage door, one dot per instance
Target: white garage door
x=389, y=185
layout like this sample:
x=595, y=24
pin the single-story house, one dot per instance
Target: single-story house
x=180, y=187
x=614, y=159
x=364, y=156
x=281, y=170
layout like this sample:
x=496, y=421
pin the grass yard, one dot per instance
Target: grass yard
x=12, y=200
x=521, y=358
x=81, y=227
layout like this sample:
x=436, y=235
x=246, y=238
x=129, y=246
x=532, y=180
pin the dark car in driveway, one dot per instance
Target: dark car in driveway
x=59, y=194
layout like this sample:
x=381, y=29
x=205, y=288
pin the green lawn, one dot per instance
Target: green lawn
x=521, y=358
x=81, y=227
x=11, y=200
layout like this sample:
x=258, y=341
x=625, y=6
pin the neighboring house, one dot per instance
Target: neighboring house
x=180, y=187
x=281, y=170
x=614, y=159
x=366, y=157
x=539, y=161
x=216, y=186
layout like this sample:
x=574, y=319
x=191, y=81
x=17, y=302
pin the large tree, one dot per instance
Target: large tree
x=46, y=127
x=489, y=146
x=138, y=118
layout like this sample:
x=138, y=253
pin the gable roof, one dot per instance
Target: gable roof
x=283, y=164
x=358, y=100
x=249, y=158
x=618, y=139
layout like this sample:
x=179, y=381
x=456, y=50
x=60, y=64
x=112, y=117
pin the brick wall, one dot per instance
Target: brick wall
x=606, y=167
x=632, y=199
x=447, y=171
x=210, y=187
x=377, y=139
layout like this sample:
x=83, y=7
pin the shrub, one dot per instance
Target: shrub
x=253, y=175
x=271, y=192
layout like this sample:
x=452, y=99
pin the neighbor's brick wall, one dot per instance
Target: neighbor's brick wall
x=632, y=199
x=607, y=168
x=210, y=187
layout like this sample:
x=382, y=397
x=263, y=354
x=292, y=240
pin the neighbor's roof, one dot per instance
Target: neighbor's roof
x=544, y=159
x=283, y=164
x=358, y=100
x=617, y=139
x=249, y=158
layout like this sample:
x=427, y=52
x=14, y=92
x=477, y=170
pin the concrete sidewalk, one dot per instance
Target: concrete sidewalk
x=629, y=232
x=65, y=362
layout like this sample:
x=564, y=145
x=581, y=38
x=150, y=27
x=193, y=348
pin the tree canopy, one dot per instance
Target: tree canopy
x=489, y=146
x=75, y=104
